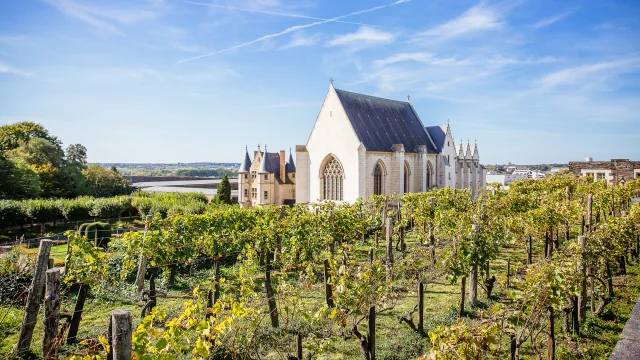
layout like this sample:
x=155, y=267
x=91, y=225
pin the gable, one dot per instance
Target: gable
x=438, y=136
x=380, y=123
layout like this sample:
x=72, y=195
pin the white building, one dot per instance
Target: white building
x=362, y=145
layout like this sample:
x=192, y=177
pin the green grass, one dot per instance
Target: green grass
x=394, y=340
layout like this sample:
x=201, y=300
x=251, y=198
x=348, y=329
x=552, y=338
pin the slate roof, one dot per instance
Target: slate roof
x=380, y=123
x=290, y=166
x=245, y=167
x=437, y=135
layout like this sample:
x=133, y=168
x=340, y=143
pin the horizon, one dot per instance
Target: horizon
x=169, y=81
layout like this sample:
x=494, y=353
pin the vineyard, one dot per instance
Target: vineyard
x=545, y=269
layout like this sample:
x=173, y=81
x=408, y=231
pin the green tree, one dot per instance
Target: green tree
x=11, y=136
x=224, y=191
x=103, y=182
x=38, y=151
x=18, y=180
x=76, y=154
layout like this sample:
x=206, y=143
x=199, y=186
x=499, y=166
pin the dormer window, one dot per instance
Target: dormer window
x=266, y=176
x=253, y=174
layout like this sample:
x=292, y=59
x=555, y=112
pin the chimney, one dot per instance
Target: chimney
x=283, y=163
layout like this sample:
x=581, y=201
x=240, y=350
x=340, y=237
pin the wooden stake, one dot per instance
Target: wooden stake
x=328, y=291
x=121, y=331
x=273, y=310
x=551, y=340
x=372, y=333
x=463, y=285
x=51, y=314
x=77, y=314
x=508, y=271
x=299, y=346
x=582, y=300
x=33, y=298
x=420, y=307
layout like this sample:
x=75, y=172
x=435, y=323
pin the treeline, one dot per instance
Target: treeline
x=33, y=164
x=178, y=172
x=23, y=212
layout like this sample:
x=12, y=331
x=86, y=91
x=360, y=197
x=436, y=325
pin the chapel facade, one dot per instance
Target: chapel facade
x=362, y=145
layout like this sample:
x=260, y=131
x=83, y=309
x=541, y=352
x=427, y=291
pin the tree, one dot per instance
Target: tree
x=11, y=136
x=77, y=155
x=18, y=180
x=103, y=182
x=38, y=151
x=224, y=191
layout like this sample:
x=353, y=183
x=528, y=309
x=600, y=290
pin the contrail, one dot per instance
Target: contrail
x=274, y=13
x=288, y=30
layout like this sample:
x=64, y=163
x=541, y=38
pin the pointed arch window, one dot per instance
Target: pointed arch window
x=332, y=180
x=407, y=174
x=429, y=175
x=378, y=177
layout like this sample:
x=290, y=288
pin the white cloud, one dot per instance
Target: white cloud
x=476, y=19
x=299, y=39
x=553, y=19
x=591, y=73
x=364, y=35
x=8, y=69
x=103, y=17
x=289, y=30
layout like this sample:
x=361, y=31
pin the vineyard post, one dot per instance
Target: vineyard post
x=546, y=244
x=432, y=239
x=33, y=298
x=152, y=292
x=566, y=224
x=473, y=273
x=529, y=262
x=420, y=307
x=589, y=212
x=513, y=347
x=328, y=291
x=508, y=271
x=77, y=313
x=463, y=285
x=389, y=246
x=142, y=264
x=551, y=340
x=299, y=346
x=372, y=333
x=121, y=331
x=592, y=291
x=51, y=314
x=273, y=310
x=583, y=282
x=370, y=256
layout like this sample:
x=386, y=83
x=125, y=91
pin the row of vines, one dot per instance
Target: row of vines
x=316, y=273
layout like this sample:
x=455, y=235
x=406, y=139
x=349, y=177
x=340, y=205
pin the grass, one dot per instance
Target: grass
x=394, y=340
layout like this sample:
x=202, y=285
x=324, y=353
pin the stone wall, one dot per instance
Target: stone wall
x=617, y=168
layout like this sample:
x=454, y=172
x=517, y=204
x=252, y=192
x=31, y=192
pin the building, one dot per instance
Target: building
x=362, y=145
x=612, y=171
x=268, y=179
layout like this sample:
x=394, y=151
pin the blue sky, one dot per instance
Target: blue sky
x=181, y=81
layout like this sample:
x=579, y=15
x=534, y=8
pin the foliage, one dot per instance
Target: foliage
x=104, y=182
x=224, y=191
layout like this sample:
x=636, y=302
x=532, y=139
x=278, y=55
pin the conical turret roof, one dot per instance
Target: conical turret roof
x=291, y=166
x=264, y=165
x=245, y=166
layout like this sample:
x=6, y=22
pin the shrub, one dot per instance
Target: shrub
x=10, y=213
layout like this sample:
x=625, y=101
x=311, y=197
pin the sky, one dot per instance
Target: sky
x=532, y=81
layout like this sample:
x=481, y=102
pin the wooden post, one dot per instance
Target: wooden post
x=152, y=293
x=551, y=339
x=508, y=271
x=372, y=333
x=33, y=298
x=462, y=291
x=389, y=246
x=529, y=262
x=51, y=314
x=473, y=273
x=582, y=300
x=50, y=263
x=370, y=256
x=513, y=347
x=589, y=212
x=328, y=291
x=273, y=310
x=121, y=331
x=77, y=314
x=216, y=278
x=592, y=292
x=299, y=346
x=420, y=307
x=142, y=263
